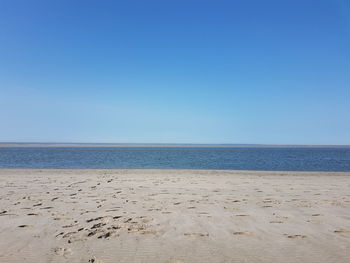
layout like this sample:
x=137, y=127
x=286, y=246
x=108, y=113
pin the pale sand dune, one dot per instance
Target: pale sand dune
x=173, y=216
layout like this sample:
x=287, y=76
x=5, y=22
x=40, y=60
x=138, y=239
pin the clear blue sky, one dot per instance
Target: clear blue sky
x=175, y=71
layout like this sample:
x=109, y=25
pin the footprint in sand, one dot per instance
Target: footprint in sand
x=148, y=232
x=196, y=234
x=245, y=233
x=94, y=219
x=295, y=236
x=105, y=235
x=276, y=222
x=70, y=225
x=61, y=251
x=98, y=225
x=69, y=234
x=92, y=233
x=342, y=231
x=94, y=260
x=47, y=207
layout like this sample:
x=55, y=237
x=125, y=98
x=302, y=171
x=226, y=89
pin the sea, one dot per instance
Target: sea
x=213, y=158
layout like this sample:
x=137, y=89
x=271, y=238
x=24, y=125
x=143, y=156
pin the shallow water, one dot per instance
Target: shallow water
x=288, y=159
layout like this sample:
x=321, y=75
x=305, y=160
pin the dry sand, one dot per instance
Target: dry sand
x=173, y=216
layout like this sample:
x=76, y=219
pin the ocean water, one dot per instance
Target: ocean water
x=245, y=158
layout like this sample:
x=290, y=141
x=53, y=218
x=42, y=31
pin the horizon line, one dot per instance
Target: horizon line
x=113, y=144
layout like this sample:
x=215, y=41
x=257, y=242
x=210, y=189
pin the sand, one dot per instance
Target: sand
x=173, y=216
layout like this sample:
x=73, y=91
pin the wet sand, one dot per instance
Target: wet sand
x=173, y=216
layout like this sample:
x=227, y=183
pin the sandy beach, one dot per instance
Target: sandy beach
x=173, y=216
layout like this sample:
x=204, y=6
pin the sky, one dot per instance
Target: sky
x=265, y=72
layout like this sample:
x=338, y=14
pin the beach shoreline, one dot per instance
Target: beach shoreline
x=150, y=215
